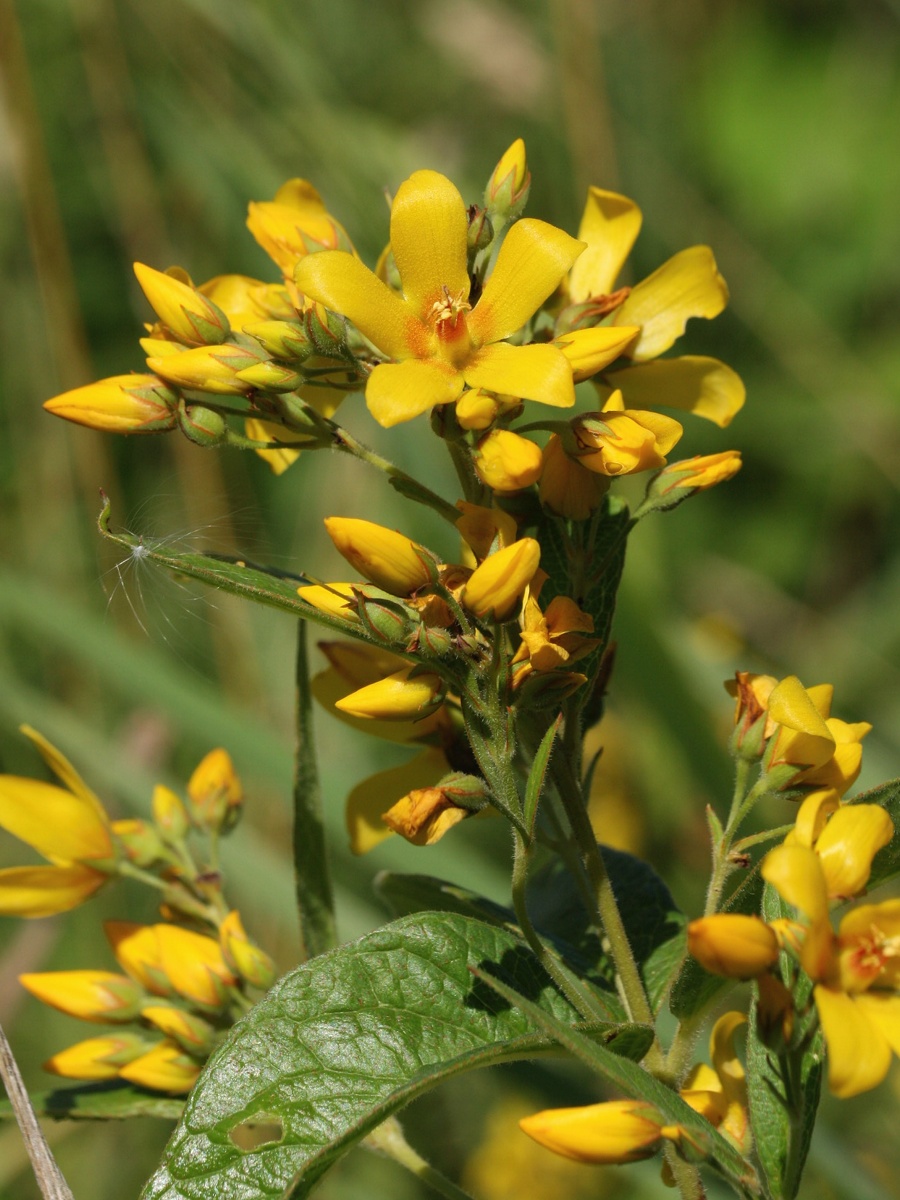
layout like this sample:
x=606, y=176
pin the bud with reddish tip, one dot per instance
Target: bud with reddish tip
x=507, y=190
x=121, y=404
x=190, y=315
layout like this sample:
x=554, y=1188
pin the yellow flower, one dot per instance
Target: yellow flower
x=701, y=472
x=567, y=488
x=620, y=442
x=397, y=697
x=616, y=1131
x=68, y=826
x=555, y=638
x=507, y=462
x=121, y=404
x=215, y=791
x=366, y=803
x=730, y=944
x=165, y=1068
x=244, y=956
x=386, y=558
x=90, y=995
x=98, y=1058
x=719, y=1092
x=294, y=224
x=494, y=589
x=438, y=343
x=688, y=285
x=845, y=838
x=855, y=973
x=424, y=815
x=182, y=309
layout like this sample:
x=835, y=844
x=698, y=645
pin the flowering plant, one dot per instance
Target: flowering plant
x=489, y=653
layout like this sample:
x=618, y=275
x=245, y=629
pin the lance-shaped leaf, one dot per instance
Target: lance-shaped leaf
x=346, y=1040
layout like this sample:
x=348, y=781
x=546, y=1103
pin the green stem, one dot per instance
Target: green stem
x=741, y=805
x=312, y=876
x=472, y=487
x=686, y=1176
x=343, y=440
x=388, y=1139
x=631, y=986
x=577, y=995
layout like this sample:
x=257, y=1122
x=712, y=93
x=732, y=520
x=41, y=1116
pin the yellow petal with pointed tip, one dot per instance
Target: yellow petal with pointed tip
x=617, y=1131
x=396, y=698
x=65, y=828
x=368, y=800
x=428, y=238
x=540, y=373
x=45, y=891
x=590, y=349
x=610, y=226
x=532, y=262
x=398, y=392
x=796, y=873
x=812, y=816
x=194, y=965
x=64, y=771
x=704, y=386
x=805, y=738
x=859, y=1055
x=138, y=951
x=96, y=1058
x=386, y=557
x=847, y=845
x=89, y=995
x=166, y=1068
x=688, y=285
x=346, y=286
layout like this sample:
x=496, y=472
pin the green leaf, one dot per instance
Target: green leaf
x=649, y=914
x=784, y=1088
x=312, y=877
x=886, y=863
x=346, y=1040
x=638, y=1084
x=535, y=785
x=696, y=987
x=101, y=1102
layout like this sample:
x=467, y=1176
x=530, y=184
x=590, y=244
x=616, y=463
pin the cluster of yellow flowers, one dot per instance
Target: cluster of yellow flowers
x=826, y=858
x=186, y=979
x=427, y=330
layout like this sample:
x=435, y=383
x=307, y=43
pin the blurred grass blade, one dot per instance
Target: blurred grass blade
x=46, y=1172
x=315, y=896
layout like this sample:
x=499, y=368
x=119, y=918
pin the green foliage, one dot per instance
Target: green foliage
x=348, y=1039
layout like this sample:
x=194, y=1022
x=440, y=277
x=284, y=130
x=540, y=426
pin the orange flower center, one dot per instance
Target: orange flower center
x=862, y=960
x=447, y=317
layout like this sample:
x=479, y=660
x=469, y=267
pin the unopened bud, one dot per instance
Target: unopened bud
x=616, y=1131
x=325, y=330
x=244, y=956
x=98, y=1058
x=589, y=350
x=507, y=189
x=733, y=945
x=169, y=814
x=480, y=231
x=165, y=1068
x=398, y=697
x=190, y=315
x=191, y=1032
x=495, y=588
x=507, y=462
x=89, y=995
x=207, y=368
x=215, y=791
x=281, y=339
x=201, y=425
x=120, y=404
x=271, y=377
x=139, y=840
x=387, y=558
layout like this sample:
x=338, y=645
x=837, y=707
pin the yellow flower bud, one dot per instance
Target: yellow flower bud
x=165, y=1068
x=89, y=995
x=121, y=404
x=336, y=599
x=244, y=956
x=184, y=310
x=281, y=339
x=137, y=949
x=567, y=488
x=733, y=945
x=700, y=472
x=507, y=462
x=477, y=409
x=215, y=791
x=170, y=814
x=589, y=350
x=191, y=1032
x=207, y=368
x=194, y=966
x=294, y=224
x=495, y=588
x=97, y=1058
x=509, y=184
x=617, y=1131
x=386, y=558
x=396, y=698
x=139, y=841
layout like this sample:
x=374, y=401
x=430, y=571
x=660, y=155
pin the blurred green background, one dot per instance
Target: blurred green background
x=140, y=131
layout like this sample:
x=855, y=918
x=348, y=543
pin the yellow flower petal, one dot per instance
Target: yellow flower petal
x=495, y=588
x=62, y=826
x=812, y=816
x=847, y=845
x=45, y=891
x=688, y=285
x=883, y=1012
x=138, y=951
x=194, y=965
x=704, y=386
x=617, y=1131
x=796, y=873
x=64, y=771
x=859, y=1054
x=386, y=557
x=97, y=1058
x=396, y=698
x=733, y=945
x=166, y=1068
x=590, y=349
x=804, y=738
x=267, y=431
x=540, y=373
x=89, y=995
x=532, y=262
x=610, y=226
x=346, y=286
x=398, y=392
x=428, y=238
x=368, y=800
